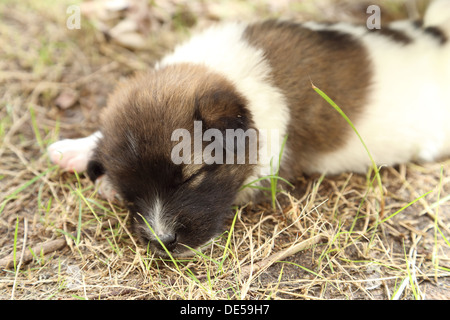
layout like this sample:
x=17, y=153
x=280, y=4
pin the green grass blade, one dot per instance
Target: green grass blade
x=161, y=243
x=227, y=245
x=36, y=129
x=16, y=231
x=339, y=110
x=23, y=187
x=405, y=206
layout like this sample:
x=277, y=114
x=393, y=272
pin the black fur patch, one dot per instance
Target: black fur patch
x=437, y=33
x=95, y=170
x=395, y=35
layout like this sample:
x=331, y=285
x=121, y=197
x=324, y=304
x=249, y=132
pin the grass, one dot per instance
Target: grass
x=267, y=251
x=375, y=169
x=273, y=178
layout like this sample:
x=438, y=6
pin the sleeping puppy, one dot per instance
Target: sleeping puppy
x=178, y=143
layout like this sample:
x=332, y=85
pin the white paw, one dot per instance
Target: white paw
x=70, y=154
x=73, y=154
x=105, y=188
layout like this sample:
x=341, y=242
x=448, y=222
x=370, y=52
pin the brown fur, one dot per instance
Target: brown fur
x=135, y=151
x=151, y=105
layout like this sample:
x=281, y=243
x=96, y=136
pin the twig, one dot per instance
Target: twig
x=248, y=270
x=259, y=266
x=43, y=248
x=115, y=293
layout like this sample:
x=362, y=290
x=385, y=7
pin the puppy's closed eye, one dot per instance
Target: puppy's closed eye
x=195, y=179
x=190, y=170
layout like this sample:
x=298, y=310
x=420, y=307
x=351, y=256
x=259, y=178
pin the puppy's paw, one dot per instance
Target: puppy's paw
x=71, y=154
x=106, y=189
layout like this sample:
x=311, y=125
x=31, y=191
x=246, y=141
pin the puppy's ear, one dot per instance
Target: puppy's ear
x=95, y=168
x=222, y=109
x=226, y=110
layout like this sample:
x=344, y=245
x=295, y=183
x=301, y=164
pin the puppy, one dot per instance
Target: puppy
x=177, y=143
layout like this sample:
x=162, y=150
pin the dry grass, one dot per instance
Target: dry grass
x=328, y=239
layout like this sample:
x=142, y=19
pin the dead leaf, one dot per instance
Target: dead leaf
x=66, y=99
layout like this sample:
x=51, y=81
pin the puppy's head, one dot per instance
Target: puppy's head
x=155, y=151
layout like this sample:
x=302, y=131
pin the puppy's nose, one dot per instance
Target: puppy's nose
x=169, y=240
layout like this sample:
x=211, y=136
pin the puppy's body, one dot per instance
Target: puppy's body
x=392, y=84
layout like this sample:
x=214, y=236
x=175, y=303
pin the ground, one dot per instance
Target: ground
x=343, y=237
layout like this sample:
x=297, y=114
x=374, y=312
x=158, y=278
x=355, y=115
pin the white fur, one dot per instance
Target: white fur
x=408, y=110
x=438, y=14
x=74, y=155
x=157, y=219
x=223, y=49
